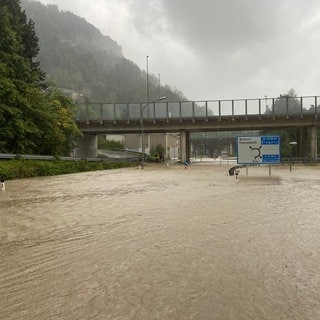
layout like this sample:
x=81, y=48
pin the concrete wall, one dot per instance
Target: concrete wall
x=86, y=147
x=150, y=141
x=115, y=137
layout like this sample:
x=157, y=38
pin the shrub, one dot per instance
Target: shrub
x=14, y=169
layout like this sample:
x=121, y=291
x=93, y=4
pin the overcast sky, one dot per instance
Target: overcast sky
x=215, y=49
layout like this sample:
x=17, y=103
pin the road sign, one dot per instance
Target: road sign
x=258, y=150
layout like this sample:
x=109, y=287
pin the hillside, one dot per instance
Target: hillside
x=75, y=55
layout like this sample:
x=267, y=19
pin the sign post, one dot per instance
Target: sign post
x=258, y=150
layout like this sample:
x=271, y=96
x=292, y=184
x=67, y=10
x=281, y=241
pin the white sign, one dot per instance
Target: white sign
x=261, y=149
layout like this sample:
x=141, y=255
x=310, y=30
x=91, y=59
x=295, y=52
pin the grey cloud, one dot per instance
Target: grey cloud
x=220, y=24
x=147, y=17
x=216, y=48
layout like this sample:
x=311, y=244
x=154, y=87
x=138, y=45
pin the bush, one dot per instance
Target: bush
x=16, y=169
x=109, y=144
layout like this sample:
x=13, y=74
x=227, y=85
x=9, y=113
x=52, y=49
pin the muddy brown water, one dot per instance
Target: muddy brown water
x=162, y=243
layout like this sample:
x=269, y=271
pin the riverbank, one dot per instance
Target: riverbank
x=22, y=168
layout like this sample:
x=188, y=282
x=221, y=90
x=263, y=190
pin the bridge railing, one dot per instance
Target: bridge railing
x=284, y=106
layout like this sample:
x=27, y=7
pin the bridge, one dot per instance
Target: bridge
x=199, y=116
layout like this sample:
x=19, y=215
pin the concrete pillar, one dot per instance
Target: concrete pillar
x=230, y=148
x=303, y=146
x=188, y=145
x=149, y=143
x=184, y=145
x=313, y=142
x=146, y=143
x=87, y=147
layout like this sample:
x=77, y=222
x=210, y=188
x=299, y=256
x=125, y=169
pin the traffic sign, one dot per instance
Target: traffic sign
x=258, y=150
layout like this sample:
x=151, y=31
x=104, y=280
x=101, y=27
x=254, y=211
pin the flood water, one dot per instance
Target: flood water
x=162, y=243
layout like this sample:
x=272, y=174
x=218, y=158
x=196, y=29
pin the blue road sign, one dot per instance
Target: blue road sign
x=258, y=150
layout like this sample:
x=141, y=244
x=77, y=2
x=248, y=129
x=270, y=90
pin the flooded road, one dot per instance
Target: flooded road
x=162, y=243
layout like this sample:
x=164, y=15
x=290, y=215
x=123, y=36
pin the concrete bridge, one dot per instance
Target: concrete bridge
x=199, y=116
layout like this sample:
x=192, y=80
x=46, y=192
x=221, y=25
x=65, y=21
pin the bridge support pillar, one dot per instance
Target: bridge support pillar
x=231, y=148
x=185, y=145
x=86, y=147
x=303, y=147
x=314, y=143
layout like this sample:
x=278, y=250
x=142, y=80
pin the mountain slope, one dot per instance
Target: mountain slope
x=76, y=56
x=67, y=28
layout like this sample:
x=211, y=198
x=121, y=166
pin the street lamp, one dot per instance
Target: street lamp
x=141, y=120
x=148, y=97
x=292, y=143
x=159, y=85
x=147, y=60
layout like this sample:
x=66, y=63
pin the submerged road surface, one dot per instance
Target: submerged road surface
x=162, y=243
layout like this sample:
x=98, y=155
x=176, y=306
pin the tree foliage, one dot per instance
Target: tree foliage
x=34, y=118
x=105, y=144
x=286, y=104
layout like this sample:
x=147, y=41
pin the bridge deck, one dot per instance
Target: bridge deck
x=226, y=123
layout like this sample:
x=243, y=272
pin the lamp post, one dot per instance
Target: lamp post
x=148, y=97
x=159, y=85
x=292, y=143
x=141, y=120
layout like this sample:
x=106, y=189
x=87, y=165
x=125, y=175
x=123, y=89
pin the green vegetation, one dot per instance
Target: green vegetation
x=108, y=144
x=288, y=103
x=35, y=117
x=17, y=169
x=156, y=152
x=291, y=101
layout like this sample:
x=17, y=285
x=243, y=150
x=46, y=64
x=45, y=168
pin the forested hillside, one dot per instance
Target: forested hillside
x=76, y=56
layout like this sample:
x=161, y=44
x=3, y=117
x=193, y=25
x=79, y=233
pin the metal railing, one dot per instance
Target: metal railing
x=284, y=106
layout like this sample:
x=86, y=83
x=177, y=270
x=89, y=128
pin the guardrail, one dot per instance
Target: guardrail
x=304, y=160
x=8, y=156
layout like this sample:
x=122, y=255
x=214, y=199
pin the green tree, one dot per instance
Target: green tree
x=16, y=124
x=286, y=103
x=55, y=118
x=32, y=119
